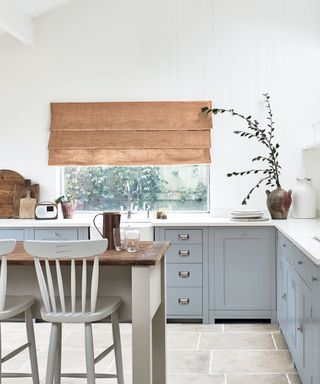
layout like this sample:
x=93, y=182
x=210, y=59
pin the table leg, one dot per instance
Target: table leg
x=141, y=327
x=159, y=335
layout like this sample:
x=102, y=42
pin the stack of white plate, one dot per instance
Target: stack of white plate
x=247, y=215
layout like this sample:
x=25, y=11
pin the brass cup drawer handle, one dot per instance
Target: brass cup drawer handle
x=183, y=236
x=184, y=301
x=184, y=253
x=184, y=274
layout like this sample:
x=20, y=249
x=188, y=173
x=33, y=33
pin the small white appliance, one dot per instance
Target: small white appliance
x=46, y=210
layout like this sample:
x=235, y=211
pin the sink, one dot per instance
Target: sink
x=135, y=218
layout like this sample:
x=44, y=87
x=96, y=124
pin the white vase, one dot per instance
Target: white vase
x=304, y=200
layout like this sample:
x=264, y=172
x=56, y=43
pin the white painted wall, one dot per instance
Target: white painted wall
x=230, y=51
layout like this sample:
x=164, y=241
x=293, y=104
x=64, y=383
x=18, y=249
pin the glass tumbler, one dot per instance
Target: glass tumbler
x=132, y=239
x=119, y=239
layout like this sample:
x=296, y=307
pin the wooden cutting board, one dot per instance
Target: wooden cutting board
x=8, y=179
x=20, y=191
x=27, y=206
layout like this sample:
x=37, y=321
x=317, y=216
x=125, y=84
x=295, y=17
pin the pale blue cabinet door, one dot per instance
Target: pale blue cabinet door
x=301, y=333
x=293, y=298
x=243, y=269
x=305, y=339
x=282, y=294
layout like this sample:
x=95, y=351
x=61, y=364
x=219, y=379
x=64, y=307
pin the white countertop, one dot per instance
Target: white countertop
x=206, y=220
x=28, y=223
x=299, y=231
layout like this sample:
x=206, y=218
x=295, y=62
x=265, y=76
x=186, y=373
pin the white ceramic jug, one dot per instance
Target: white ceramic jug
x=304, y=200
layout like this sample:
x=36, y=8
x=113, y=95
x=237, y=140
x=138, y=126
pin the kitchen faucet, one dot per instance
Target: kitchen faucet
x=128, y=191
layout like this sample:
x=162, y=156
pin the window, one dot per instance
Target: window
x=175, y=188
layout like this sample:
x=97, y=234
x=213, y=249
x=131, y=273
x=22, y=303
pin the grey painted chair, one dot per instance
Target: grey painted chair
x=60, y=306
x=11, y=306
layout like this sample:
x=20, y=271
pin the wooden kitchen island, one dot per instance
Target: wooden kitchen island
x=139, y=279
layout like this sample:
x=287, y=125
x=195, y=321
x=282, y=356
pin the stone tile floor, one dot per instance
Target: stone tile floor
x=197, y=354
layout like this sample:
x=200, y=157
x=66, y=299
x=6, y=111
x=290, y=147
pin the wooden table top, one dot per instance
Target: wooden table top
x=150, y=253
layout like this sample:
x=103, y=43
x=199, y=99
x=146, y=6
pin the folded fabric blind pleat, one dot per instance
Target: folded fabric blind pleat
x=130, y=133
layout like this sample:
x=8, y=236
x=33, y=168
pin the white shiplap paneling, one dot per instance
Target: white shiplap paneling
x=226, y=50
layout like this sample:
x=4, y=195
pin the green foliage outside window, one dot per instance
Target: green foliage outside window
x=103, y=188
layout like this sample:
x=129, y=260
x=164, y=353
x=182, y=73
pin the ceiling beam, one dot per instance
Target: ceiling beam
x=16, y=23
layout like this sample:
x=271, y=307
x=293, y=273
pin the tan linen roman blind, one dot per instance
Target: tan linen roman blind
x=129, y=133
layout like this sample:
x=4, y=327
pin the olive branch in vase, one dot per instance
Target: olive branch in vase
x=270, y=168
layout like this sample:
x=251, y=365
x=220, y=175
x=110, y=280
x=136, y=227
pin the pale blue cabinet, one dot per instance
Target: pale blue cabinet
x=45, y=233
x=242, y=273
x=298, y=308
x=187, y=272
x=225, y=272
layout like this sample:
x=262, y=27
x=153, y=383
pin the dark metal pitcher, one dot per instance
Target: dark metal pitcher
x=110, y=220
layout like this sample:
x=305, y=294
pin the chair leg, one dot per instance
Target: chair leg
x=89, y=354
x=32, y=347
x=117, y=350
x=57, y=374
x=52, y=354
x=0, y=354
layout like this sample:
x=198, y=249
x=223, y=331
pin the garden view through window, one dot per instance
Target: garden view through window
x=175, y=188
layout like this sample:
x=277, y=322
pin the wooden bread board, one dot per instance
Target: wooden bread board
x=27, y=206
x=20, y=192
x=8, y=180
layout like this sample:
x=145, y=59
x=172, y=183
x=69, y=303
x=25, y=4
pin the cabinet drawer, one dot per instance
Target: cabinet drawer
x=184, y=236
x=56, y=234
x=184, y=301
x=17, y=234
x=184, y=275
x=304, y=266
x=184, y=254
x=284, y=245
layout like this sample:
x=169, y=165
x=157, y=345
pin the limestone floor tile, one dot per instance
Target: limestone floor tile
x=16, y=364
x=250, y=327
x=257, y=379
x=280, y=341
x=236, y=341
x=182, y=340
x=187, y=378
x=102, y=338
x=188, y=361
x=126, y=361
x=73, y=360
x=262, y=362
x=294, y=379
x=190, y=327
